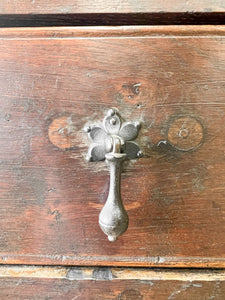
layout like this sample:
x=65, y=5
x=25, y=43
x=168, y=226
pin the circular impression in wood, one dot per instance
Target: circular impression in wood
x=62, y=132
x=185, y=133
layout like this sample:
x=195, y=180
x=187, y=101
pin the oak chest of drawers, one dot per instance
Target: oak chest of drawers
x=55, y=82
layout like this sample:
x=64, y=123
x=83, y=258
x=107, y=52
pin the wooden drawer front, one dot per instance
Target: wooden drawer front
x=111, y=284
x=52, y=83
x=40, y=289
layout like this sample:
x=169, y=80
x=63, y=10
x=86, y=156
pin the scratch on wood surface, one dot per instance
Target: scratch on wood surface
x=17, y=284
x=184, y=287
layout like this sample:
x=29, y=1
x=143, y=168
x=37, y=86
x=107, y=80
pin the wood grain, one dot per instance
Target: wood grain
x=107, y=273
x=51, y=197
x=112, y=6
x=111, y=32
x=104, y=283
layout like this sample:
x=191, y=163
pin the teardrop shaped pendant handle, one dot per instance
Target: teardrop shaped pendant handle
x=112, y=142
x=113, y=218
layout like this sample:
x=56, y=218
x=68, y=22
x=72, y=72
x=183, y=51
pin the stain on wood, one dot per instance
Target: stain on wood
x=130, y=294
x=62, y=132
x=52, y=83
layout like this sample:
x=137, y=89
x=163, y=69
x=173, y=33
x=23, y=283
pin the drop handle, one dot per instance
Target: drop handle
x=112, y=142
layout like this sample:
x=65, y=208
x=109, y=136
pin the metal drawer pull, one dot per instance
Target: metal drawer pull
x=112, y=141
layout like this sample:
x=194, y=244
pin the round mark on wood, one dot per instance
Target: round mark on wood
x=130, y=295
x=62, y=132
x=185, y=133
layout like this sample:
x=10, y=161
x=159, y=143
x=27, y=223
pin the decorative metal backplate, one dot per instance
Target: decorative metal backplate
x=112, y=141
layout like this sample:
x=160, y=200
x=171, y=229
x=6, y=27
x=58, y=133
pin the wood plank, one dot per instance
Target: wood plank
x=105, y=283
x=111, y=32
x=108, y=273
x=51, y=197
x=113, y=6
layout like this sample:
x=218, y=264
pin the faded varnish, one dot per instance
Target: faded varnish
x=54, y=82
x=104, y=283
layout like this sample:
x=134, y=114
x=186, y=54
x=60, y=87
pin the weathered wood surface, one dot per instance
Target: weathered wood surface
x=108, y=6
x=38, y=289
x=52, y=83
x=104, y=283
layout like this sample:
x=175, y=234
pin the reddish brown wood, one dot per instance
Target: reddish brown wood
x=116, y=289
x=108, y=6
x=33, y=282
x=29, y=288
x=111, y=32
x=51, y=197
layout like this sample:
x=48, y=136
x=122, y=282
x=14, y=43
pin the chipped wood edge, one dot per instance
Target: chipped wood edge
x=158, y=261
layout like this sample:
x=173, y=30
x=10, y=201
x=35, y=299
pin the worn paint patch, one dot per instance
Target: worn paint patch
x=102, y=274
x=75, y=273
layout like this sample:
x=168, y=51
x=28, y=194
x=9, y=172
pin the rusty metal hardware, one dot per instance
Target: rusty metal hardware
x=112, y=142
